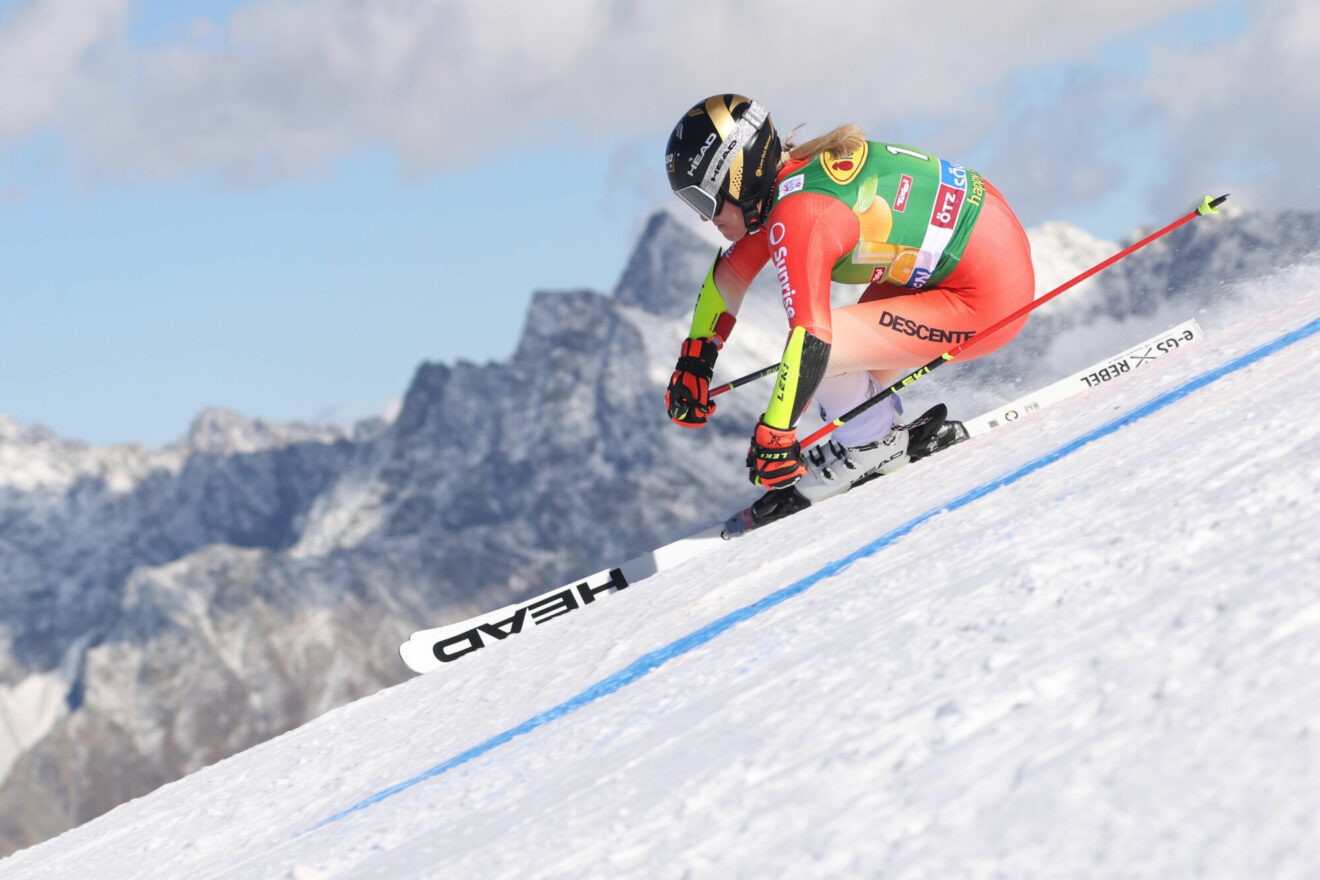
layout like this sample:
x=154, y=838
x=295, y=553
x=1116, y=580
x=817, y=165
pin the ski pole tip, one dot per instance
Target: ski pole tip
x=1211, y=205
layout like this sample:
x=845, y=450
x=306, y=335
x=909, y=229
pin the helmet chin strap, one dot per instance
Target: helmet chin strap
x=754, y=219
x=754, y=216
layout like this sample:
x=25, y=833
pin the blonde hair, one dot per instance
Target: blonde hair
x=840, y=142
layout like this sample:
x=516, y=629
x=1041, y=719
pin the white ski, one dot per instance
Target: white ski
x=429, y=649
x=1097, y=374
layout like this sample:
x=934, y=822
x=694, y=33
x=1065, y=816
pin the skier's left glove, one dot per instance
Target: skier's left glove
x=774, y=459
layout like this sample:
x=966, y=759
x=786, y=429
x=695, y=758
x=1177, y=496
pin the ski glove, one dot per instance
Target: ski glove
x=774, y=459
x=688, y=397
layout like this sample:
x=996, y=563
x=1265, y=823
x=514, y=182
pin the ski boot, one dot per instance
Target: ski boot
x=833, y=469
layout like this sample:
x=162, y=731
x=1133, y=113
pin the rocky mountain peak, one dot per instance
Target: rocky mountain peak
x=217, y=431
x=657, y=275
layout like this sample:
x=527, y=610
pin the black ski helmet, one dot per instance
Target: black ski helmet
x=725, y=149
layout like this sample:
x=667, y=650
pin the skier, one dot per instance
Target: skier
x=941, y=253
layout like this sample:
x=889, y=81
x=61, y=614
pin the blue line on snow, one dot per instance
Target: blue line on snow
x=648, y=663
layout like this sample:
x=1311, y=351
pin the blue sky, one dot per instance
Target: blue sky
x=283, y=208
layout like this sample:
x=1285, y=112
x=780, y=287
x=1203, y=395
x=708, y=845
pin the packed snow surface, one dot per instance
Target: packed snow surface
x=1084, y=645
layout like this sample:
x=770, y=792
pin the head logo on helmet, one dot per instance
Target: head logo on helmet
x=712, y=150
x=701, y=154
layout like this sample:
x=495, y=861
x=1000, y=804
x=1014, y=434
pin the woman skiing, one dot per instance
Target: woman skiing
x=940, y=252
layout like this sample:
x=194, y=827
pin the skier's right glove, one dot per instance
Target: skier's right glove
x=688, y=398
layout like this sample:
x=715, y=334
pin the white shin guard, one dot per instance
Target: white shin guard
x=837, y=395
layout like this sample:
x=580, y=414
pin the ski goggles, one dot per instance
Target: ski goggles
x=701, y=201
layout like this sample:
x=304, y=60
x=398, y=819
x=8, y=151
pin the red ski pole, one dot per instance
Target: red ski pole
x=1207, y=206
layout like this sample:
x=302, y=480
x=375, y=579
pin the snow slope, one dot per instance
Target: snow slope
x=1086, y=645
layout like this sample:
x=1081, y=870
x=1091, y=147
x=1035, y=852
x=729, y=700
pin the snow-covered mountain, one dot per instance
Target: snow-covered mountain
x=163, y=609
x=1085, y=645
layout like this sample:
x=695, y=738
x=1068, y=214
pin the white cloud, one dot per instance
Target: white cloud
x=445, y=82
x=282, y=88
x=43, y=43
x=1243, y=115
